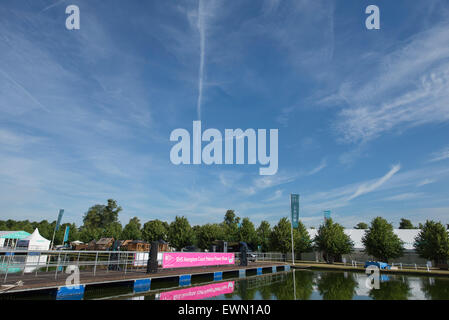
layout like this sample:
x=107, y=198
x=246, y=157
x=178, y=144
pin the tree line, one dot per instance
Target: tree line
x=379, y=240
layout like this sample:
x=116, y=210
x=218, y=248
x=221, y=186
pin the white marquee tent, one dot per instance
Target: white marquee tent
x=34, y=242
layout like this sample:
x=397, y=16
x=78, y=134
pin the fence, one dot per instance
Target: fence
x=19, y=262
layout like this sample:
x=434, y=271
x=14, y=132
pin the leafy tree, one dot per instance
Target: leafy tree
x=88, y=234
x=247, y=232
x=155, y=230
x=113, y=230
x=381, y=242
x=180, y=233
x=332, y=241
x=301, y=239
x=263, y=235
x=208, y=233
x=132, y=230
x=406, y=224
x=100, y=216
x=280, y=237
x=231, y=226
x=361, y=225
x=432, y=242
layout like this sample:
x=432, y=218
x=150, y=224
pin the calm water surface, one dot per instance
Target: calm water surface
x=311, y=285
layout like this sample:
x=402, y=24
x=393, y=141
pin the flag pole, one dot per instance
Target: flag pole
x=291, y=230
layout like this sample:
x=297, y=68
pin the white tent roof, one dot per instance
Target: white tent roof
x=37, y=242
x=356, y=235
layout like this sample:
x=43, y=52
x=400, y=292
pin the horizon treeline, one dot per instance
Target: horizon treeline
x=101, y=221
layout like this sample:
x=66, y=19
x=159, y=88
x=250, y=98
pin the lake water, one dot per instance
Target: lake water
x=292, y=285
x=310, y=285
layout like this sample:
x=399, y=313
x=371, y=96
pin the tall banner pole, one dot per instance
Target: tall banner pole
x=293, y=250
x=61, y=212
x=294, y=203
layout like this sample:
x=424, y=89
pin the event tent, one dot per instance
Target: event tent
x=34, y=242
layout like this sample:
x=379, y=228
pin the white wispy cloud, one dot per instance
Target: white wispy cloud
x=277, y=195
x=366, y=188
x=202, y=31
x=206, y=11
x=317, y=169
x=404, y=196
x=440, y=155
x=410, y=89
x=425, y=182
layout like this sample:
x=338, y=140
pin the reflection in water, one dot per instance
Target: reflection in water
x=198, y=292
x=307, y=284
x=398, y=289
x=337, y=286
x=435, y=288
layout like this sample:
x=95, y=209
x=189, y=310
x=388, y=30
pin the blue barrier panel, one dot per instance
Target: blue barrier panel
x=218, y=275
x=185, y=279
x=242, y=273
x=70, y=292
x=142, y=285
x=259, y=271
x=384, y=278
x=287, y=268
x=273, y=269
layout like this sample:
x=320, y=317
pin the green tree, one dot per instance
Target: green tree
x=263, y=235
x=132, y=230
x=100, y=216
x=381, y=242
x=155, y=230
x=280, y=237
x=432, y=242
x=88, y=234
x=301, y=239
x=247, y=232
x=406, y=224
x=332, y=241
x=208, y=233
x=113, y=230
x=361, y=225
x=180, y=233
x=231, y=226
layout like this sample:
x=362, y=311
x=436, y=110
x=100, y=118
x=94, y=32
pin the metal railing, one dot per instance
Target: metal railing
x=263, y=256
x=18, y=264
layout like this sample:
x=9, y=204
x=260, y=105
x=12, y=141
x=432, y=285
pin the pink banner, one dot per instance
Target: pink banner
x=195, y=259
x=202, y=292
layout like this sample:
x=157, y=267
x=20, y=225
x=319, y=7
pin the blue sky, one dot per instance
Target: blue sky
x=363, y=116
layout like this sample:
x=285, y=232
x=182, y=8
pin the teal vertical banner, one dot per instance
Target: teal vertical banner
x=66, y=234
x=61, y=212
x=327, y=215
x=295, y=209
